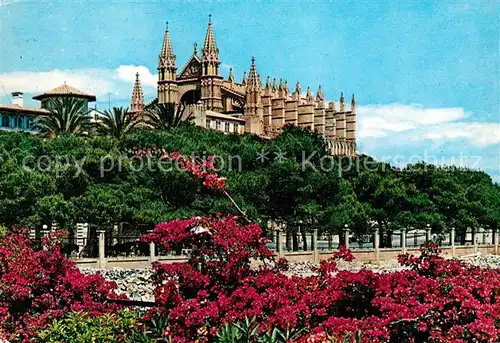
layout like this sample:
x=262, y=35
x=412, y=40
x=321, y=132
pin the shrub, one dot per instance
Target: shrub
x=435, y=301
x=3, y=231
x=39, y=286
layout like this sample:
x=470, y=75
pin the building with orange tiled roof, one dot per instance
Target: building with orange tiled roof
x=64, y=90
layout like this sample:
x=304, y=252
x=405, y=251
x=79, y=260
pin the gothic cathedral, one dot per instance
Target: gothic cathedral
x=246, y=106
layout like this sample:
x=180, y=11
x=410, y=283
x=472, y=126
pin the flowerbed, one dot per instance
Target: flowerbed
x=37, y=287
x=435, y=301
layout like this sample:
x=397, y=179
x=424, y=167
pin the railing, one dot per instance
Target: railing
x=107, y=249
x=126, y=246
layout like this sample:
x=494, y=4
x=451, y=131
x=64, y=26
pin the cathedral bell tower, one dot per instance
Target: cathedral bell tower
x=211, y=81
x=167, y=85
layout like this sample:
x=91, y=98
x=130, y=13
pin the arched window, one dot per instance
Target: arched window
x=5, y=121
x=18, y=122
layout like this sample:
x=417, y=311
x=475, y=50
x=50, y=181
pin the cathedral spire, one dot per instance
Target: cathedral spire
x=210, y=51
x=253, y=111
x=137, y=102
x=342, y=105
x=211, y=94
x=231, y=75
x=285, y=88
x=253, y=77
x=167, y=53
x=353, y=104
x=166, y=60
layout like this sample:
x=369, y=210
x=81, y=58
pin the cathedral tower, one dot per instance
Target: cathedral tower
x=167, y=87
x=211, y=81
x=254, y=112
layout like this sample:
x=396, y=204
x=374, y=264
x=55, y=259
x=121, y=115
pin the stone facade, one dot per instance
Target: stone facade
x=264, y=109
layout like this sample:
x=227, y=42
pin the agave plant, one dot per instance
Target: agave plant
x=165, y=116
x=116, y=123
x=67, y=115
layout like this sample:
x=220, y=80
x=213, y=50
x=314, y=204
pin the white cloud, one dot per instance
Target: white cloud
x=127, y=73
x=7, y=2
x=415, y=122
x=479, y=134
x=100, y=82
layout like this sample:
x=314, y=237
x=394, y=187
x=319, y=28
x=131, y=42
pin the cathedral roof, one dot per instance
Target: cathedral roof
x=213, y=114
x=65, y=90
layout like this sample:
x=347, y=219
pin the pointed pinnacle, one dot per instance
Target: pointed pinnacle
x=268, y=83
x=319, y=94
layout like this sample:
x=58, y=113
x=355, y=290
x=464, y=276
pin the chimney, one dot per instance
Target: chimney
x=17, y=99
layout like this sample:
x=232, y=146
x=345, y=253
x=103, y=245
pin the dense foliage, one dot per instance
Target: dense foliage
x=434, y=301
x=37, y=286
x=289, y=180
x=81, y=327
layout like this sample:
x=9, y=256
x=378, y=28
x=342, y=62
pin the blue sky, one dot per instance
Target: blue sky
x=425, y=74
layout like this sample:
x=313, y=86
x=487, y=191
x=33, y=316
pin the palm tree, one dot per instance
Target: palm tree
x=67, y=115
x=165, y=116
x=116, y=123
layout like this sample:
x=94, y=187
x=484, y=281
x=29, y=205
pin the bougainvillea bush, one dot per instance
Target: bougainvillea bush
x=39, y=286
x=231, y=276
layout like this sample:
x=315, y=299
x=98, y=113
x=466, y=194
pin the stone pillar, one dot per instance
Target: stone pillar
x=346, y=236
x=474, y=239
x=428, y=233
x=495, y=240
x=279, y=243
x=452, y=241
x=101, y=239
x=403, y=240
x=152, y=251
x=314, y=246
x=376, y=243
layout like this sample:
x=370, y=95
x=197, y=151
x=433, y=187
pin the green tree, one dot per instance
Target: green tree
x=165, y=116
x=116, y=123
x=67, y=115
